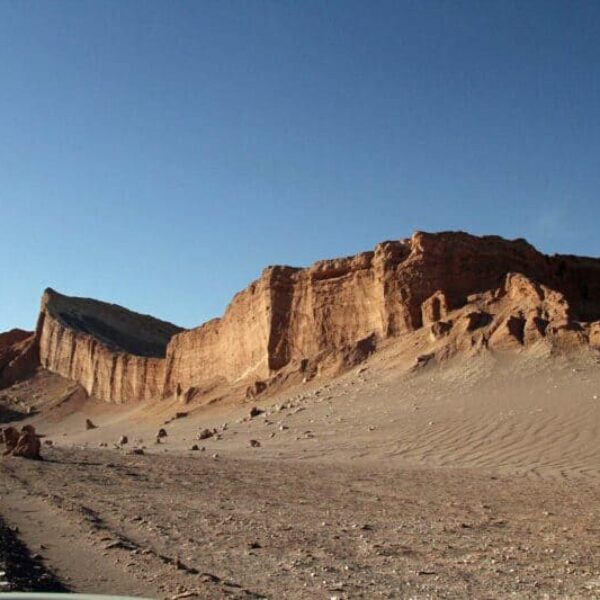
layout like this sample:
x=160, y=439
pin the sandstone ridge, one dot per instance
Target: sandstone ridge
x=115, y=354
x=448, y=292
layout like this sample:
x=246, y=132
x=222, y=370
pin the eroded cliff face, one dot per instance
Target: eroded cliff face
x=459, y=291
x=115, y=354
x=292, y=315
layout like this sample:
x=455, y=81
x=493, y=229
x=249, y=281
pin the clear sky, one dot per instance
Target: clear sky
x=160, y=154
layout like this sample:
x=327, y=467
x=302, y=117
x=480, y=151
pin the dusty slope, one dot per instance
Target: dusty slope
x=531, y=414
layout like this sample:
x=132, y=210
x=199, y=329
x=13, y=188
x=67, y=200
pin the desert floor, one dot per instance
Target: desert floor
x=476, y=479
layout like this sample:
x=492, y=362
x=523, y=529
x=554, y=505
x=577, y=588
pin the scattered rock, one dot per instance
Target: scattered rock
x=136, y=451
x=89, y=425
x=195, y=448
x=123, y=440
x=255, y=443
x=162, y=433
x=424, y=359
x=254, y=390
x=255, y=412
x=205, y=434
x=125, y=545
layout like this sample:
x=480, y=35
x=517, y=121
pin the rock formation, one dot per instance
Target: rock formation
x=18, y=356
x=461, y=292
x=25, y=444
x=342, y=308
x=28, y=444
x=115, y=354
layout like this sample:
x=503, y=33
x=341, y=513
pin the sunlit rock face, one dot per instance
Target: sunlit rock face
x=115, y=354
x=462, y=291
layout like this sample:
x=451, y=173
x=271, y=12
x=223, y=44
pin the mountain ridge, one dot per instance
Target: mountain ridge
x=454, y=292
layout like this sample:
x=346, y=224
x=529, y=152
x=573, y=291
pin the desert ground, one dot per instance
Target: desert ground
x=478, y=478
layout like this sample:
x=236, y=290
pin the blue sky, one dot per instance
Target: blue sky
x=160, y=154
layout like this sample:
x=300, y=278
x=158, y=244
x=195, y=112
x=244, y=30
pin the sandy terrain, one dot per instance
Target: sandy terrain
x=476, y=479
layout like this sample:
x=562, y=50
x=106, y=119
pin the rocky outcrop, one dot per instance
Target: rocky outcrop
x=115, y=354
x=18, y=356
x=462, y=292
x=290, y=316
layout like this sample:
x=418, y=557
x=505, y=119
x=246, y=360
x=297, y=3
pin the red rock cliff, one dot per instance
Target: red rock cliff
x=293, y=314
x=115, y=354
x=448, y=282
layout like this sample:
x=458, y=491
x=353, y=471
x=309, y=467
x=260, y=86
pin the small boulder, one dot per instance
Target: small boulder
x=423, y=360
x=89, y=425
x=28, y=444
x=255, y=443
x=195, y=448
x=123, y=440
x=136, y=451
x=255, y=412
x=162, y=433
x=205, y=434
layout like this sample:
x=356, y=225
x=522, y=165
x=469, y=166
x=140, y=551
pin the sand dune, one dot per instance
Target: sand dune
x=530, y=414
